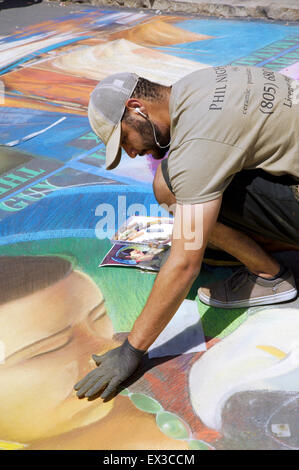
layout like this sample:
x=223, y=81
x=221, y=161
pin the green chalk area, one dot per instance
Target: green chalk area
x=169, y=423
x=275, y=56
x=126, y=289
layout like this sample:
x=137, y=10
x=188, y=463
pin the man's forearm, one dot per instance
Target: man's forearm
x=170, y=289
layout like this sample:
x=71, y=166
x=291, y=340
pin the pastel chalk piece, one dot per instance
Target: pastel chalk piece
x=135, y=235
x=145, y=230
x=154, y=229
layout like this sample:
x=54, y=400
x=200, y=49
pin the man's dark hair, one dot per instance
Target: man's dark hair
x=145, y=89
x=23, y=275
x=148, y=90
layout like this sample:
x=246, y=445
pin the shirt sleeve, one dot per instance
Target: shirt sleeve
x=200, y=170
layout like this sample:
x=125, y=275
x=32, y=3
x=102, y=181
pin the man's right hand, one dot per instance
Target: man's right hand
x=114, y=367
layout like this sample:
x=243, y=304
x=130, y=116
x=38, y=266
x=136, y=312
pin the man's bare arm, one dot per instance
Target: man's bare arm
x=192, y=227
x=179, y=272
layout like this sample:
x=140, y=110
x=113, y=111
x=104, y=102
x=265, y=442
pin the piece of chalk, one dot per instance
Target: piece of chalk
x=136, y=235
x=154, y=229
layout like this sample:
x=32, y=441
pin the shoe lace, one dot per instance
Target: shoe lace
x=238, y=279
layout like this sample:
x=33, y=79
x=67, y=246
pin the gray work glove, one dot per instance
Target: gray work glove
x=114, y=367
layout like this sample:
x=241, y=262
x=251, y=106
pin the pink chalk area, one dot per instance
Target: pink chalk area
x=292, y=71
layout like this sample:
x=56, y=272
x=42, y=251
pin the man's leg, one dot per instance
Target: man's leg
x=245, y=249
x=264, y=207
x=261, y=207
x=271, y=246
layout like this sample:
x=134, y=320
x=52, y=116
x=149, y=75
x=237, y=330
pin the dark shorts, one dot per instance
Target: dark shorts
x=258, y=203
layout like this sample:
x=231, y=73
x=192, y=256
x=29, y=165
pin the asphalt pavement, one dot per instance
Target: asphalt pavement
x=16, y=14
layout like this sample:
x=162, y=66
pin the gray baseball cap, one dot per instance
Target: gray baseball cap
x=106, y=107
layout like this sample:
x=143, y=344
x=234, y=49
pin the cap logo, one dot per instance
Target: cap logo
x=118, y=83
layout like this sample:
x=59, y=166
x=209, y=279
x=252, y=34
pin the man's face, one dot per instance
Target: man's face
x=137, y=137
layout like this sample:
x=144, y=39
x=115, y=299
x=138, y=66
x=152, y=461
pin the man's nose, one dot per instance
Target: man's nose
x=132, y=153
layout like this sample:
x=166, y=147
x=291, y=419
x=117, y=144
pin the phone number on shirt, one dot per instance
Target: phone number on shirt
x=269, y=94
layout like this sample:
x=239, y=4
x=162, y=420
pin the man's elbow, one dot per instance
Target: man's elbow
x=191, y=271
x=186, y=268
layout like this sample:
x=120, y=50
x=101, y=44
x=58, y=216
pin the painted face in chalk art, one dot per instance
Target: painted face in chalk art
x=52, y=319
x=48, y=326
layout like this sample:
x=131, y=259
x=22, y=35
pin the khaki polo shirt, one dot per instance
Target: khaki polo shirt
x=226, y=119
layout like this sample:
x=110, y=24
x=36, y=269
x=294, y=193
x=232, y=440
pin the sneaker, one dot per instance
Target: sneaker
x=244, y=289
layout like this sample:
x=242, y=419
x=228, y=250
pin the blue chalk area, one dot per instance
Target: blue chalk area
x=87, y=169
x=46, y=235
x=233, y=39
x=72, y=212
x=17, y=123
x=56, y=143
x=84, y=167
x=17, y=37
x=42, y=178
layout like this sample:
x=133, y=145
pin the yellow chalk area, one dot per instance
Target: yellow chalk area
x=6, y=445
x=272, y=350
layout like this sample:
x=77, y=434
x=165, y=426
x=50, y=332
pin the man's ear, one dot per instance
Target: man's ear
x=133, y=103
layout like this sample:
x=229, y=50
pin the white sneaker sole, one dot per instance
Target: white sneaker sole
x=267, y=300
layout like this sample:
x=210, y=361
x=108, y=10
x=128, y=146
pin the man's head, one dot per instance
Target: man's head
x=130, y=112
